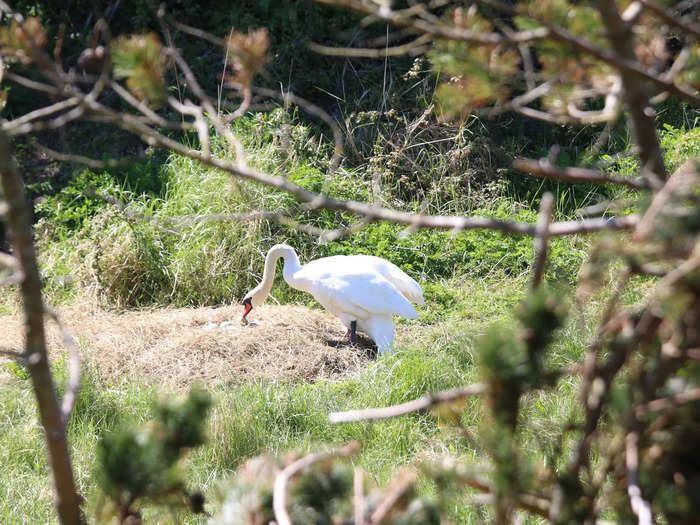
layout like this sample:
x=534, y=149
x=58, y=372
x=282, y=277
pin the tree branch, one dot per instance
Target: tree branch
x=421, y=403
x=690, y=28
x=402, y=482
x=11, y=353
x=639, y=506
x=40, y=113
x=544, y=168
x=414, y=47
x=279, y=493
x=73, y=384
x=87, y=161
x=11, y=262
x=635, y=93
x=19, y=219
x=369, y=212
x=541, y=238
x=669, y=402
x=436, y=30
x=358, y=496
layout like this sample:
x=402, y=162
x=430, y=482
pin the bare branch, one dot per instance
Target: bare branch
x=221, y=127
x=369, y=212
x=666, y=403
x=290, y=98
x=17, y=274
x=639, y=506
x=689, y=28
x=193, y=31
x=421, y=403
x=544, y=168
x=87, y=161
x=73, y=384
x=541, y=238
x=434, y=28
x=625, y=63
x=41, y=113
x=279, y=494
x=635, y=93
x=31, y=84
x=199, y=123
x=55, y=123
x=681, y=175
x=358, y=496
x=544, y=116
x=605, y=206
x=415, y=47
x=398, y=487
x=19, y=221
x=11, y=353
x=139, y=105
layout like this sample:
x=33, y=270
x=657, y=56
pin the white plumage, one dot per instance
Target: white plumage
x=362, y=288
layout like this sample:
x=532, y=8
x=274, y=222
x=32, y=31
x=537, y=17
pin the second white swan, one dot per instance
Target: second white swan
x=363, y=291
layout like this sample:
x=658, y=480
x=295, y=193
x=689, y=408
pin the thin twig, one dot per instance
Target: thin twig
x=541, y=238
x=11, y=262
x=279, y=494
x=41, y=113
x=139, y=105
x=437, y=30
x=403, y=481
x=666, y=403
x=691, y=29
x=11, y=353
x=290, y=98
x=369, y=212
x=87, y=161
x=73, y=384
x=421, y=403
x=639, y=506
x=544, y=168
x=31, y=84
x=415, y=47
x=358, y=496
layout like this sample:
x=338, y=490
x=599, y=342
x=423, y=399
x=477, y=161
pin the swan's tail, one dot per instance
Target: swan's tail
x=408, y=287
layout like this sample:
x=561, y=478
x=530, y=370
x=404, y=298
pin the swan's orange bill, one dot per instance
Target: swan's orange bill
x=247, y=307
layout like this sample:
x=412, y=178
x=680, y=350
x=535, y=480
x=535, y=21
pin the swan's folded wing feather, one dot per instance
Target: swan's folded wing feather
x=362, y=295
x=405, y=283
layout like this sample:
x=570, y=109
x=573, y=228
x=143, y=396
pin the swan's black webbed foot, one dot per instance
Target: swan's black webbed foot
x=353, y=332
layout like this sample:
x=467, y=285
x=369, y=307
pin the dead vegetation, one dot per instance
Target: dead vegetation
x=175, y=347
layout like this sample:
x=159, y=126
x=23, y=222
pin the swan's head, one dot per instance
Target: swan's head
x=253, y=299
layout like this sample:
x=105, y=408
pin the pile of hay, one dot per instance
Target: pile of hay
x=179, y=346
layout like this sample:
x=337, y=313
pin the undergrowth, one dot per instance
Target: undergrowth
x=251, y=418
x=158, y=248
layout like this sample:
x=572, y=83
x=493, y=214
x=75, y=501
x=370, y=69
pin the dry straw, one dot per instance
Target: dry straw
x=178, y=346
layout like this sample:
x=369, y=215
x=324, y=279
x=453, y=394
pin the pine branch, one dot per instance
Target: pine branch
x=279, y=494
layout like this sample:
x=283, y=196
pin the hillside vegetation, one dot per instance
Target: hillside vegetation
x=147, y=263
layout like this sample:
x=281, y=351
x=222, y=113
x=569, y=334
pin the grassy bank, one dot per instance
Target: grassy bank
x=259, y=416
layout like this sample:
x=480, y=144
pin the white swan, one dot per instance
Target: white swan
x=362, y=290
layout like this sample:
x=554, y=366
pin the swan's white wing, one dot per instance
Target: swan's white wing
x=340, y=265
x=405, y=284
x=361, y=295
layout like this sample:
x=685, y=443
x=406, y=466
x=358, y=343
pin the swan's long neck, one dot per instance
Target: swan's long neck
x=291, y=266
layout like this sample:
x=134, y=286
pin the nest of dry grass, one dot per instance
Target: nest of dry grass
x=179, y=346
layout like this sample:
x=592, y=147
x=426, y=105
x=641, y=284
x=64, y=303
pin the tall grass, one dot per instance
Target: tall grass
x=266, y=416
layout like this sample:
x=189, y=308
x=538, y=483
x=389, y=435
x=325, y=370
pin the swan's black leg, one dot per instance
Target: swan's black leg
x=353, y=332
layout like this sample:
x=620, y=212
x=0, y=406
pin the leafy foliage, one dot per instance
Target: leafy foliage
x=140, y=60
x=143, y=464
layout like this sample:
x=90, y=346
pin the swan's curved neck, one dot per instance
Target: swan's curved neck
x=291, y=266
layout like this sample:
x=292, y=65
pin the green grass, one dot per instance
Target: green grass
x=255, y=417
